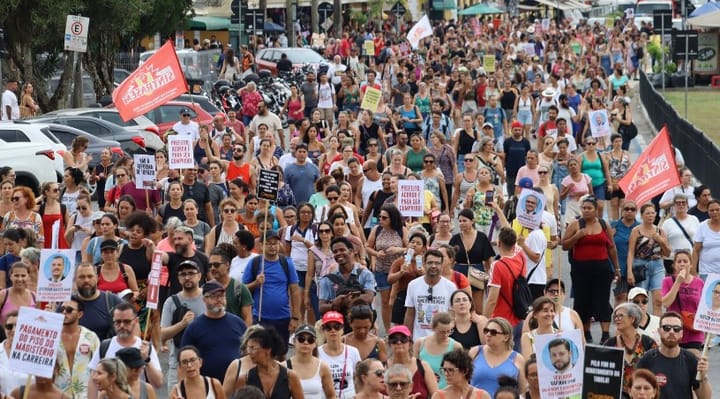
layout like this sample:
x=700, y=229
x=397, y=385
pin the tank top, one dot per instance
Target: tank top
x=465, y=142
x=48, y=220
x=9, y=306
x=281, y=389
x=415, y=160
x=594, y=169
x=384, y=239
x=646, y=248
x=114, y=286
x=423, y=104
x=312, y=387
x=435, y=362
x=234, y=171
x=483, y=213
x=410, y=114
x=465, y=185
x=199, y=153
x=549, y=197
x=167, y=211
x=524, y=104
x=209, y=390
x=80, y=236
x=137, y=259
x=432, y=184
x=507, y=100
x=564, y=319
x=294, y=112
x=469, y=338
x=618, y=167
x=486, y=377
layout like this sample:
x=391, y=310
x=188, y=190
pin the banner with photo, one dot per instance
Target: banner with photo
x=560, y=359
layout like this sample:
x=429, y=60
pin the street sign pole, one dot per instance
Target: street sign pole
x=687, y=53
x=662, y=51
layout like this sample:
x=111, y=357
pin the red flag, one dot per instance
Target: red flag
x=157, y=81
x=653, y=173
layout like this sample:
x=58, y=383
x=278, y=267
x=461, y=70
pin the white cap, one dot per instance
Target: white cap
x=637, y=291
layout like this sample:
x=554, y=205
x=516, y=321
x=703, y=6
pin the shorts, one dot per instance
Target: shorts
x=615, y=194
x=525, y=117
x=599, y=192
x=351, y=107
x=381, y=281
x=653, y=276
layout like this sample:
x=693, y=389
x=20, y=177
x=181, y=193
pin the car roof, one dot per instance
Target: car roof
x=45, y=118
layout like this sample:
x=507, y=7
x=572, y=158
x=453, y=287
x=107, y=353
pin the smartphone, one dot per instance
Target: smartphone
x=409, y=255
x=489, y=196
x=419, y=262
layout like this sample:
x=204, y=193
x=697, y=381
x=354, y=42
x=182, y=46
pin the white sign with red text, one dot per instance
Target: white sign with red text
x=36, y=342
x=411, y=197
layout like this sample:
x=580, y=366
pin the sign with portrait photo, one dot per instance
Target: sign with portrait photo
x=599, y=123
x=56, y=275
x=707, y=317
x=529, y=208
x=560, y=364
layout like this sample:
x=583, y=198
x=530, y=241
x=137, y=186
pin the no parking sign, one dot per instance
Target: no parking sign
x=76, y=33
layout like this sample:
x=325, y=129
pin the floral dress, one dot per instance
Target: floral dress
x=384, y=239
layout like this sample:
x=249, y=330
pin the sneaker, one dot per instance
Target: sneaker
x=588, y=337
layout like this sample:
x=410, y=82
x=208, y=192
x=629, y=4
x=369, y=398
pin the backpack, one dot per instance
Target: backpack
x=383, y=56
x=522, y=297
x=255, y=267
x=345, y=287
x=581, y=225
x=178, y=314
x=313, y=228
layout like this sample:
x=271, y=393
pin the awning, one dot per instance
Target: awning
x=481, y=9
x=205, y=22
x=444, y=5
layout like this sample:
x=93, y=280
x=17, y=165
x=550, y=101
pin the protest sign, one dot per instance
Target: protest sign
x=153, y=289
x=267, y=185
x=369, y=47
x=56, y=275
x=36, y=342
x=603, y=372
x=411, y=197
x=180, y=152
x=599, y=124
x=529, y=208
x=371, y=100
x=489, y=63
x=420, y=30
x=707, y=316
x=144, y=171
x=560, y=364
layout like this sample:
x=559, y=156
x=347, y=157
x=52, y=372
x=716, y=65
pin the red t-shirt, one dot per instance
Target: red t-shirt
x=503, y=278
x=547, y=128
x=243, y=172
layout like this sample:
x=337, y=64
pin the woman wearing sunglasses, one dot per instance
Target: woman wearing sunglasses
x=80, y=225
x=681, y=293
x=315, y=376
x=338, y=355
x=22, y=215
x=496, y=358
x=457, y=367
x=51, y=211
x=424, y=380
x=369, y=379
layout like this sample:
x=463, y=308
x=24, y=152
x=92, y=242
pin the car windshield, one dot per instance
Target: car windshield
x=305, y=57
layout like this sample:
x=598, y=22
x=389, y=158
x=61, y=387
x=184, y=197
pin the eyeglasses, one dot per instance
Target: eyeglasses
x=332, y=198
x=324, y=231
x=554, y=292
x=680, y=202
x=121, y=322
x=304, y=338
x=492, y=332
x=542, y=172
x=668, y=328
x=214, y=265
x=290, y=216
x=448, y=370
x=187, y=274
x=628, y=209
x=229, y=210
x=384, y=217
x=398, y=339
x=65, y=309
x=215, y=297
x=397, y=385
x=10, y=326
x=333, y=326
x=187, y=362
x=619, y=316
x=16, y=199
x=428, y=161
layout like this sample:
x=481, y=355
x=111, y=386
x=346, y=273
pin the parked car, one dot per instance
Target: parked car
x=204, y=102
x=24, y=132
x=268, y=58
x=168, y=114
x=33, y=163
x=139, y=123
x=131, y=141
x=88, y=91
x=66, y=134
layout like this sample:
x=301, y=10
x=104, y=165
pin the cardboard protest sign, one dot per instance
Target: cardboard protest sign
x=411, y=197
x=267, y=185
x=153, y=289
x=56, y=275
x=369, y=47
x=599, y=123
x=371, y=100
x=603, y=372
x=707, y=316
x=489, y=63
x=145, y=171
x=560, y=364
x=36, y=342
x=529, y=208
x=180, y=152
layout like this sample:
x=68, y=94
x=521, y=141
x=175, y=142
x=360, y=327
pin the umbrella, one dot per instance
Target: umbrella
x=481, y=8
x=273, y=27
x=707, y=16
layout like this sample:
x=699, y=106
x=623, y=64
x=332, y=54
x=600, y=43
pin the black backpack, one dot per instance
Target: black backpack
x=178, y=314
x=522, y=297
x=352, y=284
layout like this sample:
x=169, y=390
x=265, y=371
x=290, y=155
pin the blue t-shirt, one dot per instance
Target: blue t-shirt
x=496, y=116
x=327, y=287
x=218, y=341
x=301, y=179
x=515, y=152
x=6, y=261
x=622, y=242
x=276, y=299
x=97, y=317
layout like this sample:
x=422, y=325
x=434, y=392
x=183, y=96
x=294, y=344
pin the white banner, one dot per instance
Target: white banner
x=529, y=208
x=422, y=29
x=56, y=275
x=180, y=152
x=411, y=197
x=36, y=342
x=707, y=316
x=145, y=171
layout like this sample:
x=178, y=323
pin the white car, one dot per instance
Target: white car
x=33, y=163
x=24, y=132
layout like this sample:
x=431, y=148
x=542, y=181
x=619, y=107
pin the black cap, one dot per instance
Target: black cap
x=108, y=244
x=131, y=357
x=188, y=264
x=269, y=235
x=212, y=286
x=184, y=110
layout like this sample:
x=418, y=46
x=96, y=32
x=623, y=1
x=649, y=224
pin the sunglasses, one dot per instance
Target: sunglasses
x=641, y=301
x=324, y=231
x=492, y=332
x=383, y=217
x=304, y=338
x=185, y=114
x=229, y=210
x=82, y=208
x=65, y=309
x=215, y=265
x=398, y=339
x=590, y=143
x=428, y=161
x=542, y=172
x=668, y=328
x=397, y=385
x=332, y=198
x=123, y=322
x=16, y=199
x=628, y=209
x=54, y=190
x=468, y=159
x=121, y=175
x=334, y=326
x=379, y=372
x=9, y=326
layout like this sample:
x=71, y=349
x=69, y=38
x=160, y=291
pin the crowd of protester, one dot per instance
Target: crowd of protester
x=331, y=291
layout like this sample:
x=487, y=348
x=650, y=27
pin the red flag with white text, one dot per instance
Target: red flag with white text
x=157, y=81
x=653, y=173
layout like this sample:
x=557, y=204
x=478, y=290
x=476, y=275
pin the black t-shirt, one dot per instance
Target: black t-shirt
x=702, y=216
x=676, y=376
x=284, y=65
x=174, y=282
x=515, y=152
x=201, y=194
x=97, y=317
x=480, y=251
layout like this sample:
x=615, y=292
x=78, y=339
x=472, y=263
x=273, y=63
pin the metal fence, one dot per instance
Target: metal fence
x=127, y=61
x=701, y=155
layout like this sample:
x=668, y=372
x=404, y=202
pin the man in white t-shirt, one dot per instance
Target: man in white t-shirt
x=187, y=127
x=126, y=321
x=244, y=242
x=427, y=295
x=273, y=122
x=10, y=107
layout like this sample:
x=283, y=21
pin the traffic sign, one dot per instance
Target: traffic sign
x=662, y=20
x=76, y=33
x=325, y=7
x=685, y=41
x=398, y=9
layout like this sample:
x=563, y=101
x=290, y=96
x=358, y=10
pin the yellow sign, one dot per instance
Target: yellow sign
x=369, y=47
x=489, y=63
x=371, y=99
